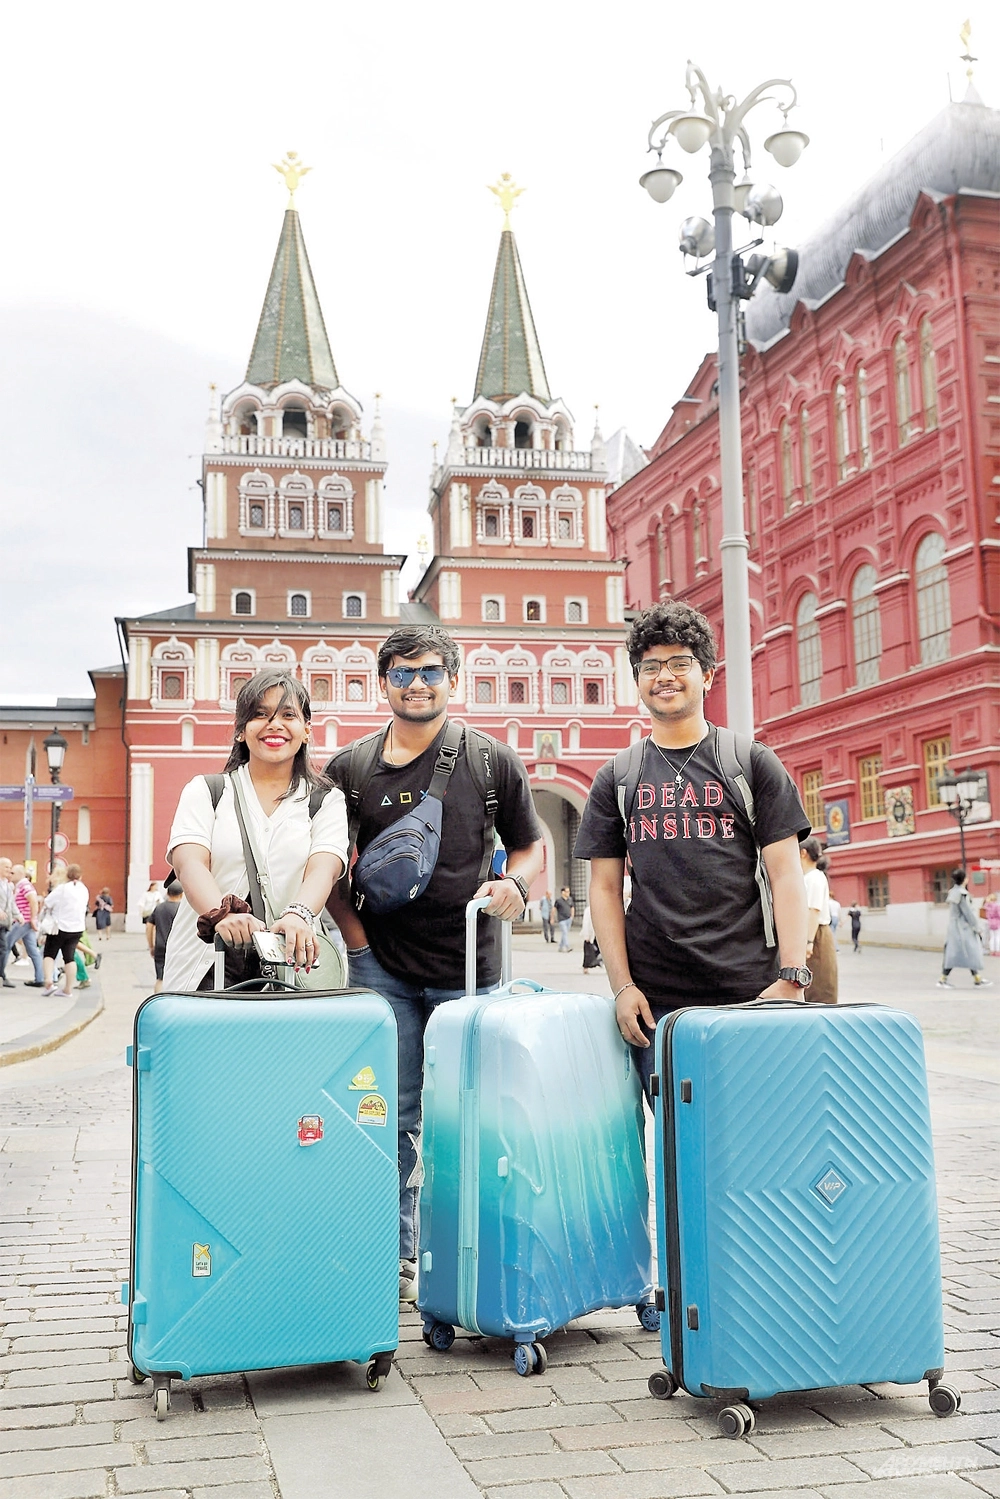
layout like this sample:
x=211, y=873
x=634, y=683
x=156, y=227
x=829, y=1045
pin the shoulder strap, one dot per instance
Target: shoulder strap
x=257, y=896
x=316, y=799
x=628, y=769
x=480, y=752
x=734, y=754
x=445, y=762
x=362, y=758
x=216, y=786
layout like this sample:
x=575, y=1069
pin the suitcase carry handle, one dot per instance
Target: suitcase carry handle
x=528, y=986
x=472, y=911
x=251, y=986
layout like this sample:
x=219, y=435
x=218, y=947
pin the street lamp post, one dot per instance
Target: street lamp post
x=55, y=747
x=959, y=794
x=716, y=119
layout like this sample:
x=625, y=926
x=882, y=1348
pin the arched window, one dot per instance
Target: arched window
x=522, y=434
x=933, y=600
x=841, y=431
x=699, y=533
x=751, y=504
x=574, y=612
x=257, y=513
x=353, y=606
x=787, y=464
x=867, y=626
x=172, y=685
x=293, y=422
x=533, y=611
x=904, y=412
x=864, y=421
x=491, y=610
x=298, y=605
x=810, y=652
x=357, y=691
x=806, y=456
x=320, y=690
x=243, y=603
x=928, y=376
x=485, y=692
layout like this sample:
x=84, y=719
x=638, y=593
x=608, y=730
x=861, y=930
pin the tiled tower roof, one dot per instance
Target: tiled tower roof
x=291, y=341
x=510, y=363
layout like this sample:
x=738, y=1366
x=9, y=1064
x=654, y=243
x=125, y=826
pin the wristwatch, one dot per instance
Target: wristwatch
x=800, y=977
x=516, y=879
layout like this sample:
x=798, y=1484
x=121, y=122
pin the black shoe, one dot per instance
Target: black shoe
x=8, y=985
x=98, y=960
x=34, y=984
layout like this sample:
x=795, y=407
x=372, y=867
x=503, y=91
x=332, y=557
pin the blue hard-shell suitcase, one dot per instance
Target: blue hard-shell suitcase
x=797, y=1232
x=534, y=1204
x=265, y=1193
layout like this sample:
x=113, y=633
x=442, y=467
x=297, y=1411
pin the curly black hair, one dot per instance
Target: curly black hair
x=672, y=624
x=419, y=640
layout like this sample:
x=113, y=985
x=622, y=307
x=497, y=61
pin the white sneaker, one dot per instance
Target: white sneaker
x=984, y=983
x=944, y=984
x=408, y=1280
x=52, y=989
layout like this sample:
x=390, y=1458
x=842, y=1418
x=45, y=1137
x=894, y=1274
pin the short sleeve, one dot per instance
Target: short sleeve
x=777, y=804
x=329, y=826
x=602, y=833
x=516, y=821
x=194, y=820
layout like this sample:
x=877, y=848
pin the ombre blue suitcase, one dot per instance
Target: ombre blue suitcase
x=265, y=1188
x=534, y=1204
x=797, y=1230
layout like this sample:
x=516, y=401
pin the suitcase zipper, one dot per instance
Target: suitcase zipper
x=673, y=1245
x=467, y=1291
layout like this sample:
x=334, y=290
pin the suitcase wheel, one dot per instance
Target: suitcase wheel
x=944, y=1400
x=161, y=1402
x=136, y=1375
x=662, y=1384
x=648, y=1316
x=736, y=1420
x=373, y=1379
x=441, y=1336
x=530, y=1358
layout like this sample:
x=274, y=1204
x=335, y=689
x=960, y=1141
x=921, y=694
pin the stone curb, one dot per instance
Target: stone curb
x=48, y=1037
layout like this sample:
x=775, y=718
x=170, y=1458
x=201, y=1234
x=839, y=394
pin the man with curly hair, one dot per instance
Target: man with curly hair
x=699, y=928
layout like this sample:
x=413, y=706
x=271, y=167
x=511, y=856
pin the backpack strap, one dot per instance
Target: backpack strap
x=316, y=799
x=480, y=753
x=216, y=786
x=733, y=752
x=628, y=769
x=362, y=758
x=445, y=762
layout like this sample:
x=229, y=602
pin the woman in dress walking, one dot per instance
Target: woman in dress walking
x=821, y=950
x=963, y=943
x=102, y=914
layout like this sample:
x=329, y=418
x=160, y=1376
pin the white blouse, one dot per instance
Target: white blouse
x=286, y=840
x=68, y=903
x=818, y=895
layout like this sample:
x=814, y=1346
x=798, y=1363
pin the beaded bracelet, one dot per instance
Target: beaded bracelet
x=295, y=909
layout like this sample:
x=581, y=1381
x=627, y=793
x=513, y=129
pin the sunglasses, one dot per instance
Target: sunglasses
x=402, y=676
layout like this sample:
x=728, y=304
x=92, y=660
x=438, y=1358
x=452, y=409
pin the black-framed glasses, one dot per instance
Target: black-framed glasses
x=402, y=676
x=678, y=666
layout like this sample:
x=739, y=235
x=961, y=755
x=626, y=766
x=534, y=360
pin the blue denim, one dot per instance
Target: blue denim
x=564, y=927
x=24, y=932
x=412, y=1006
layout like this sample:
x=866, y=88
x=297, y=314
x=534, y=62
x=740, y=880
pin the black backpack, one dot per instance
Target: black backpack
x=733, y=757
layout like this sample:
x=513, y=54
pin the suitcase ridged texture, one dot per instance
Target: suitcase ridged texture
x=807, y=1213
x=303, y=1239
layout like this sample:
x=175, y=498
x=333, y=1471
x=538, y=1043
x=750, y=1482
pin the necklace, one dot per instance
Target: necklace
x=678, y=773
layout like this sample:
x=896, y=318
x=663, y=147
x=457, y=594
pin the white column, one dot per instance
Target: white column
x=140, y=841
x=206, y=670
x=373, y=510
x=204, y=587
x=615, y=598
x=216, y=520
x=450, y=600
x=390, y=594
x=626, y=691
x=597, y=524
x=460, y=515
x=139, y=683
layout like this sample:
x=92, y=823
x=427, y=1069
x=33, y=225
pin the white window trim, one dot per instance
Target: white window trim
x=492, y=500
x=253, y=602
x=494, y=598
x=334, y=490
x=534, y=598
x=306, y=593
x=351, y=593
x=284, y=529
x=584, y=611
x=256, y=488
x=569, y=502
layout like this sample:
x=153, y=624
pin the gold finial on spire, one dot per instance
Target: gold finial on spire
x=965, y=36
x=292, y=170
x=506, y=194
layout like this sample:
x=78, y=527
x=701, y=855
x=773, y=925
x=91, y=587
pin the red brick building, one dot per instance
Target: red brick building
x=871, y=443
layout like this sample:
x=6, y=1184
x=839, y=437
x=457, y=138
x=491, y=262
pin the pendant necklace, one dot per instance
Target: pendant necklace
x=678, y=773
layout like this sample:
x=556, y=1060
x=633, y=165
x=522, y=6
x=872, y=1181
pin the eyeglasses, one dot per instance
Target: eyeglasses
x=678, y=666
x=402, y=676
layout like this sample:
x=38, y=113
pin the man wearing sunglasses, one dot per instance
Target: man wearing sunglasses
x=699, y=928
x=415, y=955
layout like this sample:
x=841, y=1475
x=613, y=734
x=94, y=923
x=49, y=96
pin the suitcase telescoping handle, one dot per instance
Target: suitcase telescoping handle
x=472, y=911
x=249, y=987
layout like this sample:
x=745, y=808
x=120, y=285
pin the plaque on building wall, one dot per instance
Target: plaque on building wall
x=899, y=815
x=837, y=818
x=548, y=744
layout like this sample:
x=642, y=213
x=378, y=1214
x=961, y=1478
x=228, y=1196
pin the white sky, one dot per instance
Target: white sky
x=139, y=142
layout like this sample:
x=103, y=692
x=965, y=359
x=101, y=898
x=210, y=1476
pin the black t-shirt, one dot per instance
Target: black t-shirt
x=695, y=928
x=564, y=908
x=424, y=941
x=161, y=919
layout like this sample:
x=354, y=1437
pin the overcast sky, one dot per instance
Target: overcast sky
x=143, y=213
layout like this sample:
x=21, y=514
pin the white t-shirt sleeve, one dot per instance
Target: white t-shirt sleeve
x=329, y=826
x=194, y=820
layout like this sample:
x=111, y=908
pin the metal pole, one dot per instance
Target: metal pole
x=960, y=813
x=733, y=547
x=52, y=839
x=29, y=813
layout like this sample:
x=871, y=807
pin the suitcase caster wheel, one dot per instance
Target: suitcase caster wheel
x=736, y=1420
x=525, y=1358
x=541, y=1358
x=441, y=1336
x=373, y=1379
x=136, y=1376
x=648, y=1316
x=161, y=1403
x=943, y=1400
x=662, y=1384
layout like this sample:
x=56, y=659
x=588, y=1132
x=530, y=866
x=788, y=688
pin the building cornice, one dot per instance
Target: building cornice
x=364, y=559
x=275, y=460
x=518, y=564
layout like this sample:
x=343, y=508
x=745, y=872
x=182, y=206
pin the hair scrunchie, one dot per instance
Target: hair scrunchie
x=232, y=905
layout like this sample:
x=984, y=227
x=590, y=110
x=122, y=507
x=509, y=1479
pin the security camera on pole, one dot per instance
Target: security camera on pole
x=716, y=119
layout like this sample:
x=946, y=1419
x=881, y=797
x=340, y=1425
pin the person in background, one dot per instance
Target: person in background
x=85, y=957
x=821, y=950
x=991, y=911
x=854, y=912
x=563, y=914
x=151, y=899
x=158, y=924
x=8, y=917
x=102, y=914
x=591, y=950
x=545, y=916
x=834, y=917
x=26, y=902
x=963, y=943
x=67, y=903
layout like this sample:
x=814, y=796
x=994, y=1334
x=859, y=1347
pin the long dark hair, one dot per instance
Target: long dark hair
x=248, y=705
x=814, y=851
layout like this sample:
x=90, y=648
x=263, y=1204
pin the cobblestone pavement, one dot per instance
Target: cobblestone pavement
x=462, y=1424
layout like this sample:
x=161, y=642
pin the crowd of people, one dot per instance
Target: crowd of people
x=59, y=918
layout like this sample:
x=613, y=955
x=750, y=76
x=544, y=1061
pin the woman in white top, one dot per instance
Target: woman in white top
x=304, y=856
x=821, y=950
x=67, y=903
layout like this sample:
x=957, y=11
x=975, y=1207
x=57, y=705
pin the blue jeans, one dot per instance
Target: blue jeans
x=564, y=927
x=25, y=932
x=412, y=1005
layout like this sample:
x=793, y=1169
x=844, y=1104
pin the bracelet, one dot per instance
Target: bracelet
x=629, y=985
x=294, y=908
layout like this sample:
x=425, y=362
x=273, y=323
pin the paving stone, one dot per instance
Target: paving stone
x=547, y=1465
x=619, y=1434
x=986, y=1481
x=260, y=1490
x=529, y=1491
x=816, y=1443
x=37, y=1415
x=63, y=1459
x=182, y=1449
x=461, y=1426
x=672, y=1483
x=484, y=1401
x=790, y=1472
x=548, y=1416
x=91, y=1485
x=502, y=1444
x=370, y=1450
x=75, y=1373
x=190, y=1475
x=937, y=1458
x=961, y=1427
x=937, y=1486
x=49, y=1437
x=184, y=1421
x=55, y=1394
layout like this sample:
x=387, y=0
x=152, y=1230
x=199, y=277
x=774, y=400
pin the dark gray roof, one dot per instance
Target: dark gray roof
x=412, y=613
x=959, y=149
x=179, y=612
x=65, y=710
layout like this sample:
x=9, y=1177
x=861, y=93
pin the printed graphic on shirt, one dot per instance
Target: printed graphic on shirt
x=659, y=812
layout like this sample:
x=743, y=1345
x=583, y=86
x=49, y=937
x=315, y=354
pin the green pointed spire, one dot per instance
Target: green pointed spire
x=292, y=342
x=511, y=361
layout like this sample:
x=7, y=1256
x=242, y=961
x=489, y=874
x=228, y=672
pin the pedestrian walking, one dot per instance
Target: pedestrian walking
x=835, y=912
x=545, y=909
x=8, y=917
x=102, y=914
x=66, y=905
x=414, y=955
x=963, y=943
x=564, y=912
x=267, y=790
x=992, y=913
x=26, y=927
x=159, y=924
x=591, y=949
x=151, y=899
x=821, y=950
x=854, y=912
